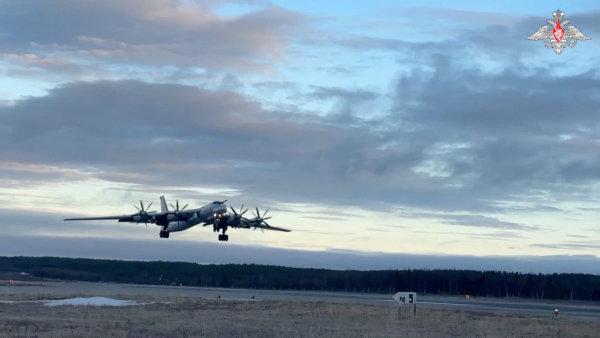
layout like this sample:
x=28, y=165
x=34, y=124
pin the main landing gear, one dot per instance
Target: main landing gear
x=224, y=237
x=164, y=234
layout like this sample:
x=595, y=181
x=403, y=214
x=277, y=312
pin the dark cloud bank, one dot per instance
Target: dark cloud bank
x=464, y=146
x=150, y=32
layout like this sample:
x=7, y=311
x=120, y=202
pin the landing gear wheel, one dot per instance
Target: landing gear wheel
x=224, y=238
x=164, y=234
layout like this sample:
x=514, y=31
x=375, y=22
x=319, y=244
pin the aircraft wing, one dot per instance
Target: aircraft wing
x=267, y=227
x=95, y=218
x=135, y=218
x=123, y=218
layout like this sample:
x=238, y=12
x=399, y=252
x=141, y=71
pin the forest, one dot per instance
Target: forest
x=435, y=282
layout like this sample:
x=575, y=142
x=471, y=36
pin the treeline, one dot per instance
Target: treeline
x=437, y=282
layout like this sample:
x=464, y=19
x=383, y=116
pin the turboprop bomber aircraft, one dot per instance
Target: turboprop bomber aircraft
x=214, y=213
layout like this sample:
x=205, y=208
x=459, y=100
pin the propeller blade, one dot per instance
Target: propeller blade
x=253, y=213
x=267, y=224
x=258, y=213
x=177, y=204
x=172, y=206
x=135, y=206
x=185, y=206
x=243, y=212
x=148, y=207
x=232, y=209
x=264, y=218
x=142, y=205
x=265, y=214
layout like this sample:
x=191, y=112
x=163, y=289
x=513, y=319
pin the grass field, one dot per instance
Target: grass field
x=194, y=317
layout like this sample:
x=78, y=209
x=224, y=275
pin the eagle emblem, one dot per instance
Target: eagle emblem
x=558, y=33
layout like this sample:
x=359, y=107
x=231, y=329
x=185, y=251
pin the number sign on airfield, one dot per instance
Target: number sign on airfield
x=406, y=297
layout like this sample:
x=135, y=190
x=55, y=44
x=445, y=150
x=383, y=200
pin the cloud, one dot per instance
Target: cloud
x=569, y=245
x=586, y=22
x=445, y=145
x=512, y=139
x=483, y=221
x=33, y=65
x=184, y=135
x=153, y=32
x=324, y=93
x=472, y=117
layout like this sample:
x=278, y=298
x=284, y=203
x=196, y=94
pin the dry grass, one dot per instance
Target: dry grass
x=194, y=317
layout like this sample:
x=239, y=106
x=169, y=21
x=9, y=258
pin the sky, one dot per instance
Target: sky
x=385, y=134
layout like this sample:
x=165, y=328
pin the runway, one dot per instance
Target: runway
x=67, y=289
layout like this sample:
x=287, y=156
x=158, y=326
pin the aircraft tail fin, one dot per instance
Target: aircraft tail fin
x=163, y=204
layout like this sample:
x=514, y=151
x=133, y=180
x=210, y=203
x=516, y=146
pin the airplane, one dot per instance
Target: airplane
x=214, y=213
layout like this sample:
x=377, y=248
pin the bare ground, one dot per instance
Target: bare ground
x=195, y=317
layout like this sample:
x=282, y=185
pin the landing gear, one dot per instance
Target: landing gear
x=216, y=221
x=222, y=237
x=164, y=234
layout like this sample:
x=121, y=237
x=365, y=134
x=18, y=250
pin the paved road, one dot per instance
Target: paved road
x=571, y=309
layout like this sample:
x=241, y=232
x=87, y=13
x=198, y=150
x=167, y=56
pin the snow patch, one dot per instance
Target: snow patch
x=91, y=301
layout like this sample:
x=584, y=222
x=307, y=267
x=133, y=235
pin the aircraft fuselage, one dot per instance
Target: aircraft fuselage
x=175, y=221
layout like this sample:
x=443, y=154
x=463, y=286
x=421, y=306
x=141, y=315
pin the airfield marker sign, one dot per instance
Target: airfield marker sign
x=407, y=298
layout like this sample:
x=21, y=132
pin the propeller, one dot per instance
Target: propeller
x=176, y=207
x=238, y=217
x=143, y=213
x=258, y=219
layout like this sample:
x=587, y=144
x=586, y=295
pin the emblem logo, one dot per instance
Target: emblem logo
x=558, y=33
